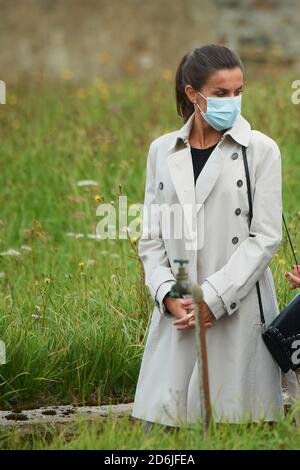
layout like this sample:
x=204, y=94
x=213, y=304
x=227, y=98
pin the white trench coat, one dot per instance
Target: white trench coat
x=226, y=260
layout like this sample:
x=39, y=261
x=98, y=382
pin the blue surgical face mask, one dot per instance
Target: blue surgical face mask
x=222, y=112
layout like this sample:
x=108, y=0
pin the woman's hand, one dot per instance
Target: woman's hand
x=294, y=278
x=177, y=306
x=188, y=322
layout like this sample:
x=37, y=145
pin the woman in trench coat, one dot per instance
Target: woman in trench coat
x=225, y=257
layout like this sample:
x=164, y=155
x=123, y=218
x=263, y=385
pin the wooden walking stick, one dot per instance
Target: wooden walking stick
x=202, y=357
x=183, y=288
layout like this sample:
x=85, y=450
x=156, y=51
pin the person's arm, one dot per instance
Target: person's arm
x=233, y=282
x=151, y=248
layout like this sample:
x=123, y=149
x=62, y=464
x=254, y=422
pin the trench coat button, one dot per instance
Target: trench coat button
x=238, y=211
x=161, y=185
x=234, y=156
x=239, y=183
x=235, y=240
x=233, y=305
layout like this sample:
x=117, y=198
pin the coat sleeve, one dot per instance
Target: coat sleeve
x=233, y=282
x=151, y=248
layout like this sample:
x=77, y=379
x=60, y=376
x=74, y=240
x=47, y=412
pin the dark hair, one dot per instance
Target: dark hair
x=195, y=68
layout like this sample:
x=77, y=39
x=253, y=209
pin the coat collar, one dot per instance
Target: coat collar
x=240, y=132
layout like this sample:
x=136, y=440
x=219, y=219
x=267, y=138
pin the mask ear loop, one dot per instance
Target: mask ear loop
x=198, y=104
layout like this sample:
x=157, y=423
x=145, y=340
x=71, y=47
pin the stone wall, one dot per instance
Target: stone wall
x=85, y=39
x=263, y=31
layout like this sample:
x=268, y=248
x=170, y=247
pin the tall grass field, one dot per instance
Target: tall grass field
x=74, y=309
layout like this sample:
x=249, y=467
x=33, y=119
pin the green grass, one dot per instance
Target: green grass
x=125, y=433
x=76, y=332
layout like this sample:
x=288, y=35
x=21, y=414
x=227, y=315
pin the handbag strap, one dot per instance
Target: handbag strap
x=262, y=318
x=290, y=241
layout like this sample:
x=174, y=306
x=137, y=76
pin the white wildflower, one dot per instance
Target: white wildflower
x=93, y=236
x=26, y=248
x=87, y=183
x=10, y=252
x=75, y=235
x=90, y=262
x=35, y=317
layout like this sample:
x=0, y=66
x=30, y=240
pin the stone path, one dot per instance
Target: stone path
x=61, y=414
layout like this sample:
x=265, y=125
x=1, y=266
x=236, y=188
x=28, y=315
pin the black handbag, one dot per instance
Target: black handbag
x=282, y=336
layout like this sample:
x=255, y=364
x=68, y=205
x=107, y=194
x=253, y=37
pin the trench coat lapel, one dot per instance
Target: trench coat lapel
x=182, y=174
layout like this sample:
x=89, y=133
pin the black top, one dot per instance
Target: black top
x=199, y=158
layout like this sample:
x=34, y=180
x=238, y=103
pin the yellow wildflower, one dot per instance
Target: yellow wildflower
x=12, y=100
x=67, y=74
x=167, y=75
